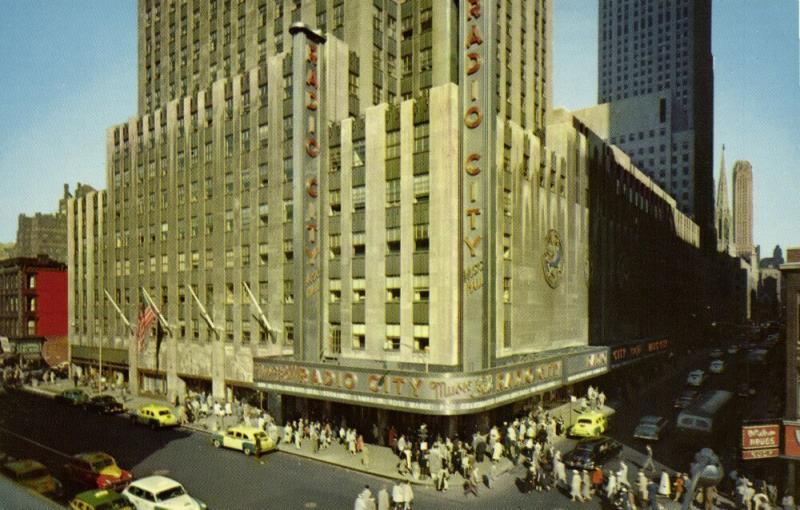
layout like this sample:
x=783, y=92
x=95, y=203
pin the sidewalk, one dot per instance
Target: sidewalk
x=382, y=460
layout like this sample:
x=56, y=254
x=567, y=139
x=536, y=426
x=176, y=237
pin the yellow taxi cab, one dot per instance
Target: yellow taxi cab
x=589, y=424
x=250, y=440
x=155, y=416
x=100, y=500
x=33, y=475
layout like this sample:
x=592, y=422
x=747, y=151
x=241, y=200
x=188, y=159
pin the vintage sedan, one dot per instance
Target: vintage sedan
x=162, y=493
x=72, y=396
x=685, y=398
x=717, y=366
x=650, y=428
x=589, y=424
x=100, y=500
x=155, y=416
x=590, y=453
x=104, y=404
x=250, y=440
x=33, y=475
x=98, y=470
x=696, y=378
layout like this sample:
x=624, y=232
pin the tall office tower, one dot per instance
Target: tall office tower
x=655, y=61
x=186, y=45
x=722, y=214
x=426, y=254
x=743, y=208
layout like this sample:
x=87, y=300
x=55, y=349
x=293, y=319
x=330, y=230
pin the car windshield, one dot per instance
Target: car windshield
x=163, y=412
x=33, y=474
x=105, y=398
x=170, y=493
x=646, y=427
x=101, y=463
x=585, y=421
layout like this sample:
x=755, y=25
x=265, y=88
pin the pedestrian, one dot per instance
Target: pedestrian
x=392, y=437
x=652, y=495
x=441, y=480
x=365, y=500
x=597, y=479
x=586, y=492
x=560, y=470
x=365, y=456
x=472, y=482
x=648, y=463
x=298, y=433
x=641, y=484
x=383, y=499
x=359, y=443
x=401, y=445
x=601, y=399
x=398, y=496
x=497, y=451
x=575, y=486
x=788, y=501
x=761, y=501
x=408, y=495
x=664, y=485
x=491, y=476
x=611, y=485
x=622, y=474
x=710, y=497
x=679, y=487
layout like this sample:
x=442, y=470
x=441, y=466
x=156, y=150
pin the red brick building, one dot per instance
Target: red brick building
x=33, y=298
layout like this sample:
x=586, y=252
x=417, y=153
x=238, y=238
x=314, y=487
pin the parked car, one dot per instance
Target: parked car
x=650, y=428
x=685, y=398
x=696, y=378
x=104, y=404
x=590, y=453
x=250, y=440
x=160, y=492
x=717, y=366
x=97, y=470
x=100, y=500
x=733, y=349
x=715, y=353
x=72, y=396
x=155, y=416
x=589, y=424
x=33, y=475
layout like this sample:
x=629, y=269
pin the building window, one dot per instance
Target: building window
x=359, y=290
x=288, y=334
x=335, y=288
x=359, y=249
x=421, y=288
x=421, y=338
x=393, y=289
x=263, y=255
x=392, y=342
x=392, y=192
x=229, y=221
x=335, y=339
x=359, y=197
x=229, y=258
x=393, y=240
x=421, y=241
x=288, y=292
x=335, y=245
x=359, y=337
x=422, y=187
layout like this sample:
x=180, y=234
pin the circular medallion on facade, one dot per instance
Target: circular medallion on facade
x=552, y=264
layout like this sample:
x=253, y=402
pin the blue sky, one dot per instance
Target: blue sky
x=68, y=72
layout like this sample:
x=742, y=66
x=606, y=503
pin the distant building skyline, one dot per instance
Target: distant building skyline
x=743, y=208
x=662, y=49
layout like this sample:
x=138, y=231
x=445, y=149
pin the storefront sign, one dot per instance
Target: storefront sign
x=440, y=393
x=478, y=118
x=761, y=436
x=632, y=352
x=306, y=156
x=791, y=439
x=763, y=453
x=585, y=365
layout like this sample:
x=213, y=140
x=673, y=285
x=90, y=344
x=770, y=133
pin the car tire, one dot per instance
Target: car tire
x=216, y=443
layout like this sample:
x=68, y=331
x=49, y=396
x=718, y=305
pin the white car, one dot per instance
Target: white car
x=696, y=378
x=160, y=492
x=717, y=366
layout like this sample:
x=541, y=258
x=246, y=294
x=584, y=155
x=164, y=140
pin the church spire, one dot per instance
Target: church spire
x=722, y=214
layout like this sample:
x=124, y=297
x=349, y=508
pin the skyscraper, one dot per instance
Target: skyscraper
x=743, y=208
x=656, y=55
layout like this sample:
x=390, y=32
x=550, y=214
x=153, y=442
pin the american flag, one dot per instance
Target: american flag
x=146, y=317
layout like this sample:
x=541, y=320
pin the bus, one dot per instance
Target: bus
x=707, y=413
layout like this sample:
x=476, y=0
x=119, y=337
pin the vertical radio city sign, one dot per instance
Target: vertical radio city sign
x=305, y=193
x=477, y=200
